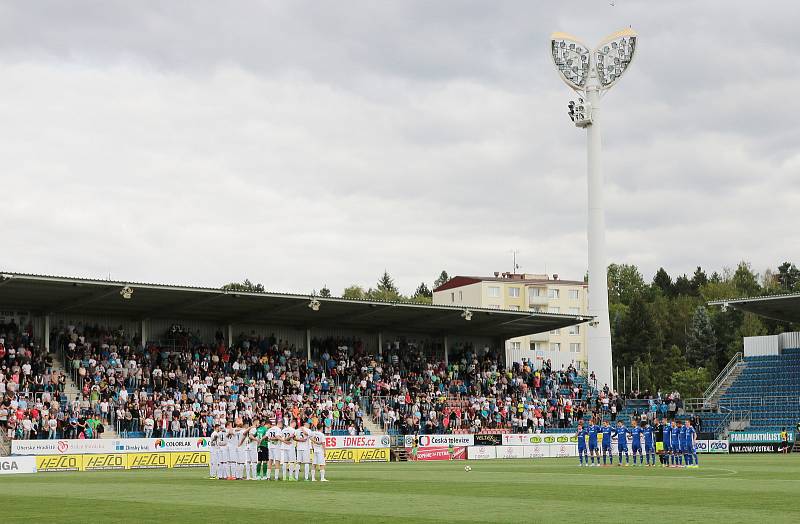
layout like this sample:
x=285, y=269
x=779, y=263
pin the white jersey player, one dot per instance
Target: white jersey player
x=251, y=452
x=230, y=455
x=275, y=434
x=303, y=438
x=241, y=450
x=318, y=446
x=289, y=454
x=214, y=452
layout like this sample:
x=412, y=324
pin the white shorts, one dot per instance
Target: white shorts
x=304, y=456
x=289, y=455
x=275, y=453
x=252, y=454
x=241, y=454
x=225, y=454
x=319, y=457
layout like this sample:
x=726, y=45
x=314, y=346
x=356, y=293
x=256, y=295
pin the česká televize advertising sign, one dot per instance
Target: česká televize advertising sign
x=758, y=437
x=441, y=441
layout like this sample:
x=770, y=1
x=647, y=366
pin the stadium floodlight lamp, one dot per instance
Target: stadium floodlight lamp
x=126, y=292
x=314, y=304
x=591, y=73
x=466, y=315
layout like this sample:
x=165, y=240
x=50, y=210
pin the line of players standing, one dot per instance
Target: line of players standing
x=674, y=443
x=256, y=452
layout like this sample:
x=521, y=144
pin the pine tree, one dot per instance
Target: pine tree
x=702, y=343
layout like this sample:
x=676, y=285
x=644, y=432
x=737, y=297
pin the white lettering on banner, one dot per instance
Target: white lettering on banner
x=363, y=441
x=440, y=440
x=526, y=439
x=481, y=452
x=537, y=451
x=94, y=446
x=510, y=452
x=718, y=446
x=14, y=465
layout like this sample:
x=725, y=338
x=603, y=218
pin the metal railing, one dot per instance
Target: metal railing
x=748, y=403
x=723, y=375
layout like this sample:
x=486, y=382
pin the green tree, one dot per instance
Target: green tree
x=789, y=277
x=663, y=281
x=624, y=282
x=324, y=292
x=244, y=286
x=423, y=291
x=745, y=281
x=699, y=279
x=354, y=292
x=441, y=279
x=683, y=286
x=702, y=344
x=386, y=290
x=691, y=383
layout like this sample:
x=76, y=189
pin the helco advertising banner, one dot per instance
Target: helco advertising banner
x=356, y=455
x=104, y=461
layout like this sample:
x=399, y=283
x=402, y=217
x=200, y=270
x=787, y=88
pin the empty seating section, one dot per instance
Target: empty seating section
x=768, y=389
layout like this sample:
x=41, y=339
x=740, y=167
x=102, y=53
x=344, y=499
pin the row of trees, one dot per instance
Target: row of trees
x=386, y=289
x=666, y=330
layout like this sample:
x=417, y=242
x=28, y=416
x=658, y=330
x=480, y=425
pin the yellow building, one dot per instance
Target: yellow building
x=519, y=292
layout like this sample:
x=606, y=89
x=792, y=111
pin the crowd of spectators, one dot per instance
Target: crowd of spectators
x=475, y=391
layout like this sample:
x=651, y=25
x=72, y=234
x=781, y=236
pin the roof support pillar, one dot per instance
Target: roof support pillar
x=308, y=344
x=46, y=334
x=230, y=336
x=380, y=342
x=446, y=362
x=144, y=333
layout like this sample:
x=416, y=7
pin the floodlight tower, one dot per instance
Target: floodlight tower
x=591, y=73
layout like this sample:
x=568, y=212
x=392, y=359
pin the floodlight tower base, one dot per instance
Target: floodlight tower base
x=599, y=332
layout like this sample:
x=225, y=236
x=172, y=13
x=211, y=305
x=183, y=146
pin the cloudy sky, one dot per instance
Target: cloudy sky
x=303, y=143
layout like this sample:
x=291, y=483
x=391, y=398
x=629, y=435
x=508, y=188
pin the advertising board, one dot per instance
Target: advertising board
x=360, y=441
x=440, y=453
x=428, y=441
x=14, y=465
x=107, y=446
x=481, y=452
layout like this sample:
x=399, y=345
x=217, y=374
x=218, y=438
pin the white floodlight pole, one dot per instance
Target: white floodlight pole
x=590, y=73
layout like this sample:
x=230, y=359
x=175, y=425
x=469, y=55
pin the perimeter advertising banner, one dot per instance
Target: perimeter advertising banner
x=440, y=453
x=758, y=448
x=758, y=437
x=102, y=461
x=360, y=441
x=107, y=446
x=14, y=465
x=526, y=439
x=522, y=452
x=481, y=452
x=442, y=441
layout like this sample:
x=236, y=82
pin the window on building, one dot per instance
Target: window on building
x=555, y=332
x=494, y=291
x=461, y=296
x=535, y=292
x=574, y=294
x=552, y=293
x=574, y=311
x=554, y=309
x=574, y=330
x=514, y=308
x=494, y=306
x=555, y=346
x=453, y=296
x=516, y=345
x=537, y=309
x=574, y=347
x=538, y=346
x=513, y=292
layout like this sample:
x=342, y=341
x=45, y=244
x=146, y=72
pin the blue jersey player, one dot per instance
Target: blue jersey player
x=675, y=444
x=622, y=442
x=666, y=441
x=691, y=447
x=649, y=444
x=582, y=433
x=594, y=452
x=636, y=443
x=607, y=431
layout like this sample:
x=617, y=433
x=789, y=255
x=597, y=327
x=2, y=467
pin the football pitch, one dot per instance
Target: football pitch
x=757, y=489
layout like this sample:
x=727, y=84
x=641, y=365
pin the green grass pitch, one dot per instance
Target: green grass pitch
x=757, y=489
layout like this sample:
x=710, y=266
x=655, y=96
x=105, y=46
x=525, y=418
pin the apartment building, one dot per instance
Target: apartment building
x=543, y=293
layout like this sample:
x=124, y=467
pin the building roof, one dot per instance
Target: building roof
x=41, y=294
x=778, y=307
x=460, y=281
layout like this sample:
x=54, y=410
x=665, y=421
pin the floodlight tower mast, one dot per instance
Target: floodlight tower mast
x=591, y=73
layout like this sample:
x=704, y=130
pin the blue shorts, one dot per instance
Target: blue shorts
x=622, y=448
x=593, y=447
x=676, y=448
x=581, y=450
x=607, y=448
x=637, y=448
x=648, y=448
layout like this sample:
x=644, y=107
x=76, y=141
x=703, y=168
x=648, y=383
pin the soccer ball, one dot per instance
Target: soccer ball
x=467, y=468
